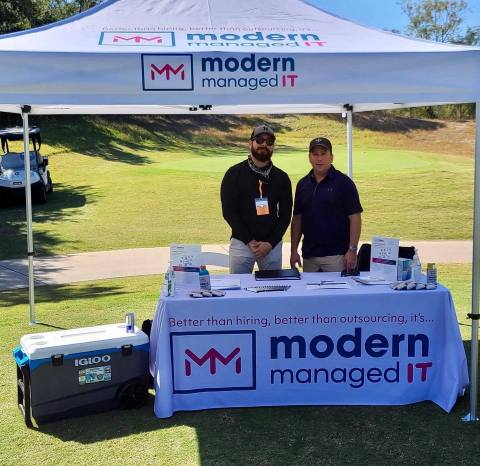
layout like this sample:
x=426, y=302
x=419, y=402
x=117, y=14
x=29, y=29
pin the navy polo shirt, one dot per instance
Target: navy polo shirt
x=325, y=208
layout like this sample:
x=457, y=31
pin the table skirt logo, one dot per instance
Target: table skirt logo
x=212, y=356
x=381, y=359
x=167, y=72
x=138, y=39
x=213, y=361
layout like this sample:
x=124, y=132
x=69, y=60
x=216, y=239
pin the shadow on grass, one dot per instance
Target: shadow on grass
x=60, y=293
x=119, y=138
x=386, y=122
x=123, y=138
x=297, y=435
x=58, y=208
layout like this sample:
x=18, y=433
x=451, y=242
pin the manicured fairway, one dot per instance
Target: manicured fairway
x=416, y=434
x=119, y=185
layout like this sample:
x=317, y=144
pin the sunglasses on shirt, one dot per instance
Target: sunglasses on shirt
x=270, y=141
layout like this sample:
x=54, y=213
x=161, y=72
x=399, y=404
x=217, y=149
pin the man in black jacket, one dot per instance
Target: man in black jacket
x=257, y=204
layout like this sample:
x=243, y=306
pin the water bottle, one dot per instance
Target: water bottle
x=416, y=268
x=130, y=322
x=432, y=274
x=204, y=278
x=170, y=280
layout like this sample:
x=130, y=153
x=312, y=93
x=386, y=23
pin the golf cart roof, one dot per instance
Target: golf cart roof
x=16, y=134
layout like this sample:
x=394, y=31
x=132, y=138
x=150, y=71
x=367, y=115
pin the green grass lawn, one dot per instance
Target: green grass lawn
x=126, y=183
x=150, y=181
x=415, y=434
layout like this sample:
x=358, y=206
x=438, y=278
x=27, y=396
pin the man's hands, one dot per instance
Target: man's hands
x=350, y=260
x=260, y=248
x=295, y=259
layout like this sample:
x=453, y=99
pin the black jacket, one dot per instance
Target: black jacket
x=239, y=190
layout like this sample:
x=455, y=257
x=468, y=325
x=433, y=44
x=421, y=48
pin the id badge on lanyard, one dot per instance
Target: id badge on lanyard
x=261, y=203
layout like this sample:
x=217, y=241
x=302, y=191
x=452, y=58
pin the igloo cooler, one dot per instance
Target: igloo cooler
x=81, y=371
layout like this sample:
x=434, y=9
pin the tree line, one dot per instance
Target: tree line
x=441, y=21
x=438, y=20
x=17, y=15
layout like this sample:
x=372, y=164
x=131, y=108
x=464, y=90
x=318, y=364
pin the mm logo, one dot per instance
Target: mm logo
x=213, y=361
x=136, y=39
x=212, y=355
x=167, y=72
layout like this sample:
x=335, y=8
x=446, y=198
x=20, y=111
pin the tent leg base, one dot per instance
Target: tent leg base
x=469, y=418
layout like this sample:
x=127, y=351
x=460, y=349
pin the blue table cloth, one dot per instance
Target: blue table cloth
x=366, y=345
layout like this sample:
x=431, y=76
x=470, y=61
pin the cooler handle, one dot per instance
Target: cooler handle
x=20, y=357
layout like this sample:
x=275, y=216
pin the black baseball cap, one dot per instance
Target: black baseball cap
x=323, y=142
x=263, y=129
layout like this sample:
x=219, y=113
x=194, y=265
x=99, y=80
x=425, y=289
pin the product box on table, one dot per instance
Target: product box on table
x=404, y=267
x=81, y=371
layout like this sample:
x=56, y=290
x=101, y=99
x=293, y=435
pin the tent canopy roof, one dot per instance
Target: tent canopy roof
x=151, y=56
x=220, y=21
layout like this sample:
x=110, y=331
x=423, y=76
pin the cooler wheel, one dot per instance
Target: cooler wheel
x=133, y=394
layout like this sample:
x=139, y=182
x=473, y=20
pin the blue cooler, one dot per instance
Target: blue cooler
x=81, y=371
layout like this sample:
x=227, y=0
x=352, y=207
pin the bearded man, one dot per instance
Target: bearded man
x=257, y=204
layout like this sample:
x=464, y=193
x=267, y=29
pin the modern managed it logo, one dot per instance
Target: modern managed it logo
x=167, y=72
x=213, y=361
x=136, y=39
x=212, y=356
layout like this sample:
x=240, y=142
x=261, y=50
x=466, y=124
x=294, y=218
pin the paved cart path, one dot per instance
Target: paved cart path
x=71, y=268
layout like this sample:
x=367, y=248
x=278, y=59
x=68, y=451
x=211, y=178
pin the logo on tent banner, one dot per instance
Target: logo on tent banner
x=137, y=39
x=257, y=39
x=167, y=72
x=213, y=361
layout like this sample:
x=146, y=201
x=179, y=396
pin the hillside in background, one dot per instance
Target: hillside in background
x=91, y=134
x=143, y=181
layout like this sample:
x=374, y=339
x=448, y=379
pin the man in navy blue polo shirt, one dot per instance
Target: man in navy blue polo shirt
x=327, y=212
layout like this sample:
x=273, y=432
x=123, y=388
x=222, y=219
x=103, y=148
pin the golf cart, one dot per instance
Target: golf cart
x=12, y=167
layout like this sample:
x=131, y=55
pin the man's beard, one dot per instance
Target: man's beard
x=264, y=155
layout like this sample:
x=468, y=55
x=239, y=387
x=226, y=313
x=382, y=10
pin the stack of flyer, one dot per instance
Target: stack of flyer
x=225, y=284
x=185, y=260
x=383, y=262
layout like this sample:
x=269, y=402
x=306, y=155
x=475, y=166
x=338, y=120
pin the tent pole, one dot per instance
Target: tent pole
x=349, y=109
x=28, y=201
x=472, y=415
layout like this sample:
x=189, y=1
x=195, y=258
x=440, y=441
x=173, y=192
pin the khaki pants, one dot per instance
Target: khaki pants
x=242, y=258
x=323, y=264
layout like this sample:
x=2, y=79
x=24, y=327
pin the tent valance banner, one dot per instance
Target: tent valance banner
x=147, y=56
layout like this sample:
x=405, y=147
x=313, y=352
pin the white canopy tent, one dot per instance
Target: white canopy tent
x=163, y=55
x=226, y=56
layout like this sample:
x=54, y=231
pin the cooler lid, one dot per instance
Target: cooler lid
x=78, y=340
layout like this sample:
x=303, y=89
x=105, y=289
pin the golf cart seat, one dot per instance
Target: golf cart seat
x=14, y=160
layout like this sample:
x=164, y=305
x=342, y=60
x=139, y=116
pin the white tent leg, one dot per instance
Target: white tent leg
x=472, y=415
x=349, y=110
x=28, y=202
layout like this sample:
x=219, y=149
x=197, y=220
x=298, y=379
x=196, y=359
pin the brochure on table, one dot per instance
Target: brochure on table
x=384, y=258
x=186, y=260
x=225, y=283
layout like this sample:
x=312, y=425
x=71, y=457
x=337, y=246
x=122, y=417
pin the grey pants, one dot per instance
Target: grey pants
x=242, y=258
